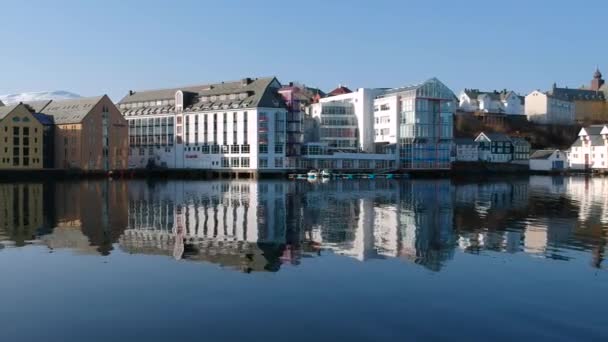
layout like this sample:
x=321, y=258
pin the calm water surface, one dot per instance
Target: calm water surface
x=276, y=260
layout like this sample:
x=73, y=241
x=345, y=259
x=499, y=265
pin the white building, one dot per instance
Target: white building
x=548, y=160
x=360, y=104
x=590, y=150
x=466, y=150
x=419, y=119
x=503, y=102
x=548, y=109
x=239, y=126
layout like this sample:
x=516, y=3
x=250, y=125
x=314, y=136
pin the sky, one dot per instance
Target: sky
x=111, y=46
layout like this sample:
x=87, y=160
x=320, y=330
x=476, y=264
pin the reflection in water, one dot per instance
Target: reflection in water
x=261, y=226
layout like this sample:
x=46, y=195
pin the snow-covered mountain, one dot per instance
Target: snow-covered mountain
x=38, y=96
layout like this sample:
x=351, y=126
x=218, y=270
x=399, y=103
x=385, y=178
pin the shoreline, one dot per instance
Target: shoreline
x=460, y=171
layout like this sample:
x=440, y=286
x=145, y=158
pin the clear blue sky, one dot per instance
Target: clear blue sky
x=111, y=46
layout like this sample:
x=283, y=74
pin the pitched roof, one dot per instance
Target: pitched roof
x=577, y=94
x=519, y=141
x=341, y=90
x=38, y=106
x=6, y=110
x=542, y=154
x=497, y=136
x=245, y=93
x=71, y=111
x=475, y=94
x=464, y=141
x=594, y=129
x=44, y=119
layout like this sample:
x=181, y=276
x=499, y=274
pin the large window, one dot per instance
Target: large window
x=263, y=148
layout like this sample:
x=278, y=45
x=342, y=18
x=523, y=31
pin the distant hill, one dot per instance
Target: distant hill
x=38, y=96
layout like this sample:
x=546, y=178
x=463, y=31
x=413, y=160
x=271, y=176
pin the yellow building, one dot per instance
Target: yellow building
x=21, y=137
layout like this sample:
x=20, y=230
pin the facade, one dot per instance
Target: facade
x=238, y=126
x=545, y=108
x=321, y=156
x=21, y=138
x=501, y=102
x=89, y=134
x=590, y=150
x=358, y=130
x=589, y=104
x=495, y=148
x=297, y=98
x=424, y=115
x=548, y=161
x=466, y=150
x=521, y=150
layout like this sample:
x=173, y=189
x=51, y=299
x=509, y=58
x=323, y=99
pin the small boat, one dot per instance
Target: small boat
x=313, y=174
x=326, y=173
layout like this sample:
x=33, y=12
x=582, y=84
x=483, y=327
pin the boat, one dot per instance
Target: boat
x=313, y=174
x=325, y=173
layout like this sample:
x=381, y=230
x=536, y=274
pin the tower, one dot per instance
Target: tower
x=597, y=81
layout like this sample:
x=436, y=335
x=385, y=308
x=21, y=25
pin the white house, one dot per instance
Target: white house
x=503, y=102
x=590, y=150
x=548, y=160
x=466, y=150
x=239, y=126
x=545, y=108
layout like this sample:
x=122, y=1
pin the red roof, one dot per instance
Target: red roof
x=340, y=91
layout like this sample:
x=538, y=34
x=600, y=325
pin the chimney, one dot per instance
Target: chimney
x=131, y=92
x=245, y=81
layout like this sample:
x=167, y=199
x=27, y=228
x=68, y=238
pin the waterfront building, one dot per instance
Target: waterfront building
x=590, y=150
x=495, y=147
x=421, y=124
x=21, y=138
x=466, y=150
x=90, y=134
x=297, y=98
x=521, y=150
x=499, y=102
x=548, y=160
x=321, y=156
x=238, y=126
x=546, y=108
x=346, y=119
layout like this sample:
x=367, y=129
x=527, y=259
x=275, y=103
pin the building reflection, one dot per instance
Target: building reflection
x=264, y=226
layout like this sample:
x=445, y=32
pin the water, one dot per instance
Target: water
x=366, y=260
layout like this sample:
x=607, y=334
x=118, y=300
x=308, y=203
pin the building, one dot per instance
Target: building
x=321, y=156
x=21, y=138
x=237, y=126
x=466, y=150
x=90, y=134
x=346, y=119
x=589, y=104
x=590, y=150
x=521, y=150
x=297, y=98
x=546, y=108
x=419, y=119
x=501, y=102
x=548, y=160
x=495, y=147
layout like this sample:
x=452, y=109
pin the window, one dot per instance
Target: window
x=26, y=131
x=26, y=161
x=225, y=162
x=15, y=130
x=263, y=148
x=235, y=162
x=206, y=149
x=278, y=148
x=234, y=149
x=225, y=149
x=244, y=162
x=244, y=149
x=263, y=163
x=278, y=162
x=215, y=149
